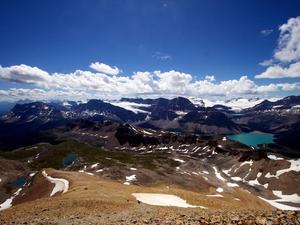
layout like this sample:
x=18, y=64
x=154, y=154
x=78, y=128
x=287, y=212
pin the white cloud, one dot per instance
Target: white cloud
x=289, y=41
x=104, y=68
x=161, y=56
x=210, y=78
x=289, y=86
x=277, y=71
x=266, y=32
x=23, y=74
x=36, y=94
x=267, y=62
x=286, y=60
x=82, y=85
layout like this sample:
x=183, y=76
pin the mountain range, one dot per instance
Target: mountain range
x=25, y=122
x=71, y=151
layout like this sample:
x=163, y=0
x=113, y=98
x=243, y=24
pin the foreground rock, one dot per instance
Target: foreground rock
x=94, y=200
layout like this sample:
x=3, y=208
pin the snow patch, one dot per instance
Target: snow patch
x=274, y=157
x=216, y=195
x=94, y=165
x=129, y=178
x=131, y=106
x=220, y=190
x=218, y=174
x=236, y=178
x=61, y=185
x=232, y=184
x=295, y=198
x=88, y=173
x=280, y=206
x=179, y=160
x=8, y=203
x=295, y=166
x=163, y=200
x=236, y=104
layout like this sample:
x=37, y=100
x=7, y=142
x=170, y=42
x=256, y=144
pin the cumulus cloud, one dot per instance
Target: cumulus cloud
x=277, y=71
x=104, y=68
x=266, y=32
x=267, y=62
x=23, y=74
x=286, y=58
x=82, y=85
x=210, y=78
x=289, y=41
x=36, y=94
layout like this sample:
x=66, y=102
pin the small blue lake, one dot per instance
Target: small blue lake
x=69, y=159
x=21, y=181
x=253, y=138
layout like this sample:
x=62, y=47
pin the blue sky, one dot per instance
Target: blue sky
x=227, y=39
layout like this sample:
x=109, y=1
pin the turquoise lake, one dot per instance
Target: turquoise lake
x=252, y=138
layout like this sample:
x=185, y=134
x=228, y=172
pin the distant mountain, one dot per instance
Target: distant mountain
x=5, y=107
x=290, y=102
x=235, y=104
x=98, y=107
x=177, y=114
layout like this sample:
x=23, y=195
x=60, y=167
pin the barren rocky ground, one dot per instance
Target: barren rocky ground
x=95, y=200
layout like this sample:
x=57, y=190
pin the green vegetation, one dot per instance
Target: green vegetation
x=21, y=154
x=52, y=156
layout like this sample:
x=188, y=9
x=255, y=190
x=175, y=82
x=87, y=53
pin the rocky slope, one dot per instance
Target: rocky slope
x=94, y=200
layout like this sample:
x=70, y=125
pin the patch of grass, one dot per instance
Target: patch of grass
x=21, y=154
x=52, y=156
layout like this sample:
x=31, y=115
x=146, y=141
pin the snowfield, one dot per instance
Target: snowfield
x=294, y=166
x=163, y=200
x=279, y=205
x=235, y=104
x=61, y=185
x=8, y=203
x=131, y=106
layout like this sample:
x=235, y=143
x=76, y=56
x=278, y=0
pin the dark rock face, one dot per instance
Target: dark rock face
x=109, y=111
x=36, y=110
x=163, y=104
x=125, y=134
x=213, y=118
x=290, y=137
